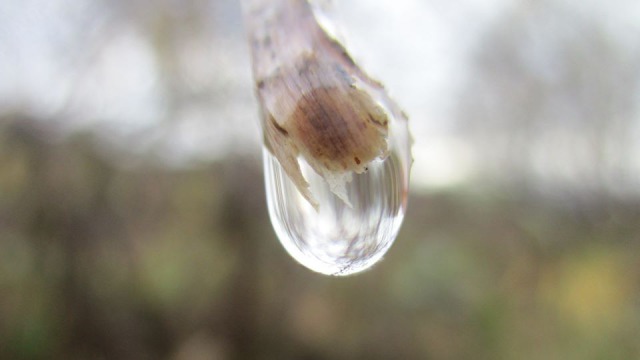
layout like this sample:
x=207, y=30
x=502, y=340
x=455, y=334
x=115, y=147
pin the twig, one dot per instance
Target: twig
x=315, y=101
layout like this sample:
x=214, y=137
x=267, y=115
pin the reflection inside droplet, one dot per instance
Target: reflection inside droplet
x=339, y=239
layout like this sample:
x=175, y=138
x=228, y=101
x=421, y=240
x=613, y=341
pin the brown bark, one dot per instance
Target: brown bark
x=315, y=101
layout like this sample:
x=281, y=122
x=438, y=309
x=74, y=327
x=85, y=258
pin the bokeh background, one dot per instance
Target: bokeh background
x=133, y=222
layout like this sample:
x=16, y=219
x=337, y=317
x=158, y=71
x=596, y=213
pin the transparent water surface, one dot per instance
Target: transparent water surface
x=338, y=239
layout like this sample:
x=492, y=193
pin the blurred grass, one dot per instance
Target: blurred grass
x=101, y=261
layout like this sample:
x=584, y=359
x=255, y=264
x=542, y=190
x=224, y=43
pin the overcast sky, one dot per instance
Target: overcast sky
x=102, y=72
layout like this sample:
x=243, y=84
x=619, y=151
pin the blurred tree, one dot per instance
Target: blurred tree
x=551, y=102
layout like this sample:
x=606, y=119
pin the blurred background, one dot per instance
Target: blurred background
x=133, y=222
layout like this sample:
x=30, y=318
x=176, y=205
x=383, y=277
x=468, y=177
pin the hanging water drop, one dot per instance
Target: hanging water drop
x=340, y=238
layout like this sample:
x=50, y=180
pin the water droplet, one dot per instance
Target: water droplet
x=338, y=239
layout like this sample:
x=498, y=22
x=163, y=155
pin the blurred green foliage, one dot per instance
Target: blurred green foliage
x=100, y=261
